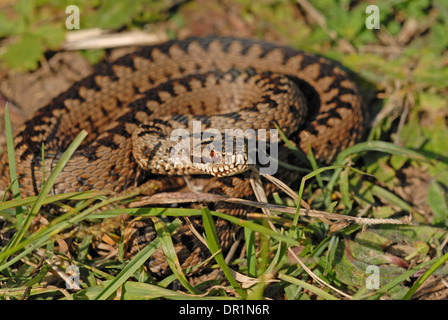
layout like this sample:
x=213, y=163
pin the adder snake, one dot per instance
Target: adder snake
x=171, y=84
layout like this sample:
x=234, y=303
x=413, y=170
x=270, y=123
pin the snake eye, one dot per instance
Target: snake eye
x=215, y=156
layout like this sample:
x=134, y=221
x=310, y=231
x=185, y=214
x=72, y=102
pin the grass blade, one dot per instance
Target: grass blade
x=397, y=280
x=170, y=253
x=40, y=200
x=380, y=146
x=59, y=224
x=321, y=293
x=250, y=252
x=12, y=165
x=28, y=201
x=425, y=276
x=128, y=271
x=213, y=244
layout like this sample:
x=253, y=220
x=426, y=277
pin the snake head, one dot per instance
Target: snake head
x=159, y=153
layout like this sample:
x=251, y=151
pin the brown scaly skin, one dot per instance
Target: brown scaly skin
x=117, y=97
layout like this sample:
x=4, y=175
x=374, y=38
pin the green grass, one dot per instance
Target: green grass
x=408, y=90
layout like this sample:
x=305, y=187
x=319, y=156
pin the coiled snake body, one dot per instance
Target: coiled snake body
x=149, y=93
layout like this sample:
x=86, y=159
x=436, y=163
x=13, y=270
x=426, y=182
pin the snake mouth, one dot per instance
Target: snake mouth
x=208, y=156
x=221, y=158
x=238, y=163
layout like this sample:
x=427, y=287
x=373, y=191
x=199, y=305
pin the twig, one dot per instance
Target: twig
x=60, y=273
x=195, y=232
x=180, y=197
x=100, y=39
x=321, y=214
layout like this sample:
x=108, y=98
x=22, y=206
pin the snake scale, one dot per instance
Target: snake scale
x=143, y=93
